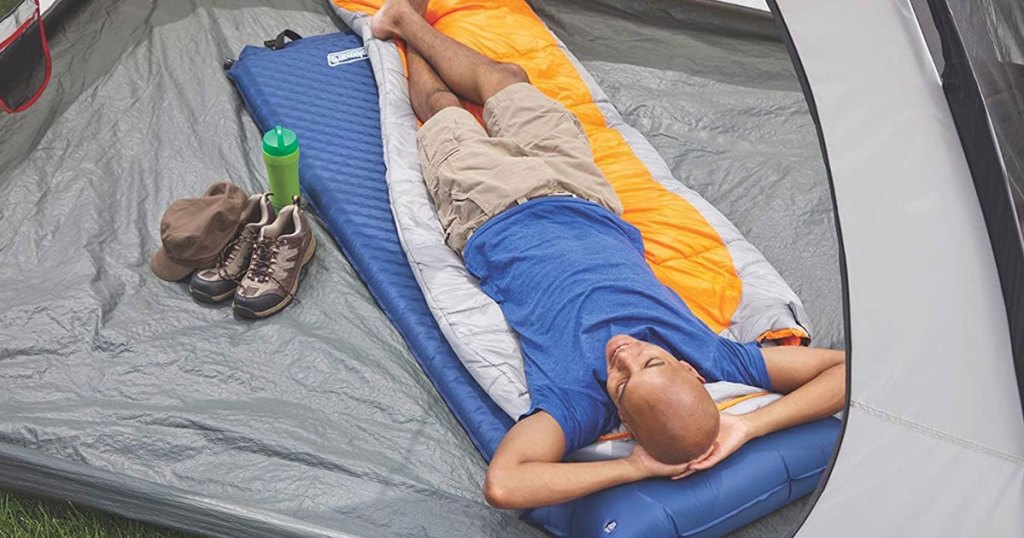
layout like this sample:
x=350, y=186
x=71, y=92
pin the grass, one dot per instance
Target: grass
x=6, y=5
x=23, y=517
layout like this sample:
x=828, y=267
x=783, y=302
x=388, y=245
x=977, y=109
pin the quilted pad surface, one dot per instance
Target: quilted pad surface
x=335, y=114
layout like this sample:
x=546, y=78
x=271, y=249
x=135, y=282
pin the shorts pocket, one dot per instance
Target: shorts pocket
x=440, y=148
x=470, y=202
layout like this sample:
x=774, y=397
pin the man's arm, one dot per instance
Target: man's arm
x=527, y=469
x=814, y=381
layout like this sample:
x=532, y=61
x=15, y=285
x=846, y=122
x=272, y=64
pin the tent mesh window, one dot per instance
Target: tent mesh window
x=983, y=46
x=994, y=41
x=24, y=57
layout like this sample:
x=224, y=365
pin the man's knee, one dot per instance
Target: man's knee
x=502, y=76
x=440, y=99
x=514, y=74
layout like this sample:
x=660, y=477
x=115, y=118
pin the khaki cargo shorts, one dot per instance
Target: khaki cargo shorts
x=533, y=147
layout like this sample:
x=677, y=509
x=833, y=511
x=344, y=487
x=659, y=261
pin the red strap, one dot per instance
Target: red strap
x=37, y=17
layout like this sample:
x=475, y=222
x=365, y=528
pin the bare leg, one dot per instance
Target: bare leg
x=427, y=91
x=469, y=74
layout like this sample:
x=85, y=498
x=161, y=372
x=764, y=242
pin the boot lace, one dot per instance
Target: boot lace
x=228, y=255
x=264, y=254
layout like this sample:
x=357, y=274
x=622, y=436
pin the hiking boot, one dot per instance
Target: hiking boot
x=219, y=283
x=278, y=256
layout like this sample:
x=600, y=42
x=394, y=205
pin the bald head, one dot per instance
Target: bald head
x=661, y=399
x=670, y=413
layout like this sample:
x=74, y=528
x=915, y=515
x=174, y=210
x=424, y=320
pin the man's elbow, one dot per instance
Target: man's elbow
x=834, y=357
x=839, y=394
x=498, y=492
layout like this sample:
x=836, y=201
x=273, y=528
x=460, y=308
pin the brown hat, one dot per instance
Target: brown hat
x=194, y=231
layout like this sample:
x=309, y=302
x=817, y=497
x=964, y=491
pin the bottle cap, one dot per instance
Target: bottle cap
x=280, y=142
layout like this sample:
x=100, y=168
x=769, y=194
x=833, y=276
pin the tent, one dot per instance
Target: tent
x=871, y=151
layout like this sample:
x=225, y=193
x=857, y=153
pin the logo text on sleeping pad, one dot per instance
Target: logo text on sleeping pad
x=343, y=57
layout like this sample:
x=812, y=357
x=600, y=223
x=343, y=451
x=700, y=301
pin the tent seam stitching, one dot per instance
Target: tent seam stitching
x=936, y=434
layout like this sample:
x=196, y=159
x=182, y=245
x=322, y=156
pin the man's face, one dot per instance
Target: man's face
x=629, y=359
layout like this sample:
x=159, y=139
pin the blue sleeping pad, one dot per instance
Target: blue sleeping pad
x=335, y=113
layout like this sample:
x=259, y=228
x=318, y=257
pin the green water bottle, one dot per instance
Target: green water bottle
x=281, y=153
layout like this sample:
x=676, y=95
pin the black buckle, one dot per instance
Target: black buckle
x=278, y=42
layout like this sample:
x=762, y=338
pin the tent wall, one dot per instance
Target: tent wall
x=759, y=6
x=930, y=32
x=18, y=15
x=24, y=58
x=934, y=442
x=982, y=43
x=21, y=13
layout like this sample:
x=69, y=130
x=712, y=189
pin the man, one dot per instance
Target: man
x=602, y=339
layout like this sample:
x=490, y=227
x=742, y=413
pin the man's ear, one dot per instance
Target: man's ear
x=693, y=371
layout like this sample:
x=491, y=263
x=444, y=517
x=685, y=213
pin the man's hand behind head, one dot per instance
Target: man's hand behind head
x=733, y=434
x=652, y=468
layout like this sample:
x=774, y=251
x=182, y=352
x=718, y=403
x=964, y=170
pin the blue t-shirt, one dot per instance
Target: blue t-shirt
x=569, y=275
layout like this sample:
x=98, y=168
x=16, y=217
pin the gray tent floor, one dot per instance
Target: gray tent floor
x=119, y=391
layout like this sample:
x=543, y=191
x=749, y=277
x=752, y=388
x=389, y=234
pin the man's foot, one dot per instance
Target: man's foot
x=387, y=22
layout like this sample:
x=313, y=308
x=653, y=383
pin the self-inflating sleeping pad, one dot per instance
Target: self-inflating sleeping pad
x=337, y=115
